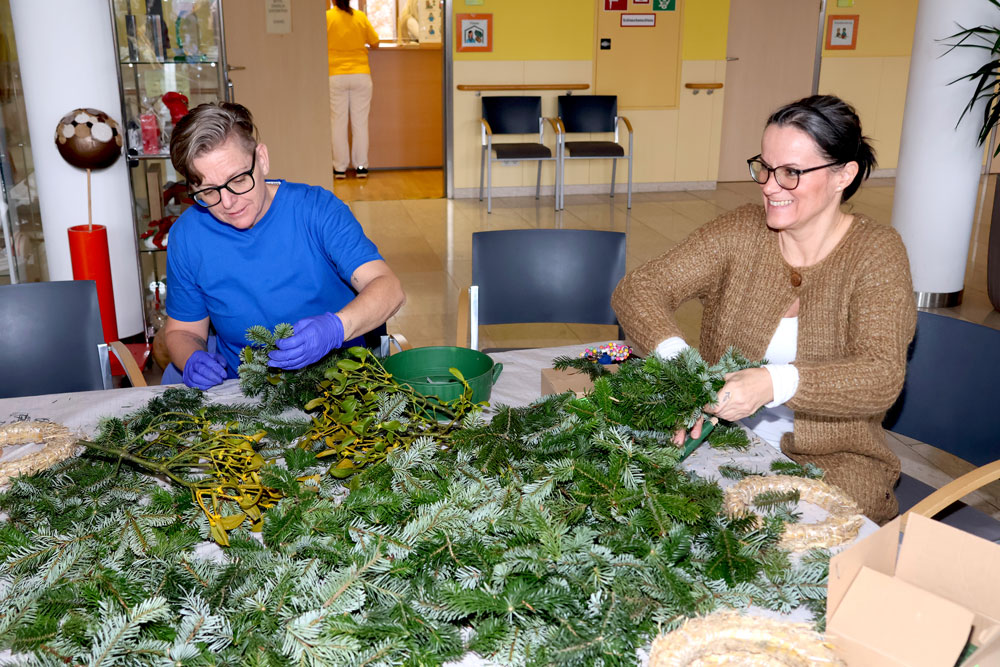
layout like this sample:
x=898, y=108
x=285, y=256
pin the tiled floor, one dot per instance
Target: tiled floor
x=428, y=243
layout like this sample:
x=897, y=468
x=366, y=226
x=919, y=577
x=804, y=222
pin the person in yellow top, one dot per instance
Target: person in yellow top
x=347, y=33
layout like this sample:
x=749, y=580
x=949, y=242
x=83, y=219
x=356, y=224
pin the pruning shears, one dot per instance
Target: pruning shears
x=692, y=444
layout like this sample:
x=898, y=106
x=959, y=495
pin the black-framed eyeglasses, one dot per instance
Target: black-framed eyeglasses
x=240, y=184
x=787, y=177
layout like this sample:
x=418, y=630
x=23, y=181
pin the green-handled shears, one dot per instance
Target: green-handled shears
x=692, y=444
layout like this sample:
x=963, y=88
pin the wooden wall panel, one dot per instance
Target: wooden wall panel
x=405, y=128
x=285, y=84
x=643, y=65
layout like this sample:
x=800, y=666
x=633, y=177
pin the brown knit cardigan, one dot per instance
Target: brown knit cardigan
x=856, y=317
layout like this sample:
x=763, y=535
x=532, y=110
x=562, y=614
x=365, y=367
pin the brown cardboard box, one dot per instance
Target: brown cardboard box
x=915, y=601
x=558, y=382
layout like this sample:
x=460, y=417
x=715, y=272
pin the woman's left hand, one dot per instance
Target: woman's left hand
x=744, y=393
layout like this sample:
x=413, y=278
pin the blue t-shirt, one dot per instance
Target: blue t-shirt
x=297, y=261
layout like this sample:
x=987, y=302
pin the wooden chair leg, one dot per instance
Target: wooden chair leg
x=462, y=322
x=956, y=490
x=127, y=361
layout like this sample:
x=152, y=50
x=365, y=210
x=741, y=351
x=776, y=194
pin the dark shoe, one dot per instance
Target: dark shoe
x=339, y=174
x=361, y=172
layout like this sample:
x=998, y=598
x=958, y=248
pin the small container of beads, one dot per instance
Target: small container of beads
x=609, y=353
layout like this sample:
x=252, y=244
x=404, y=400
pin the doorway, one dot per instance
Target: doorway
x=771, y=54
x=284, y=80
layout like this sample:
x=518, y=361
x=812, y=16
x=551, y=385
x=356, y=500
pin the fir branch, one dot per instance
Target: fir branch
x=808, y=470
x=735, y=472
x=592, y=369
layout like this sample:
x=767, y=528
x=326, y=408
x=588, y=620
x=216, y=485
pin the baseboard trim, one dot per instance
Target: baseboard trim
x=883, y=173
x=586, y=189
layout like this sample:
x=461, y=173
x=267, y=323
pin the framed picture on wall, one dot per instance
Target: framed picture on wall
x=474, y=32
x=842, y=31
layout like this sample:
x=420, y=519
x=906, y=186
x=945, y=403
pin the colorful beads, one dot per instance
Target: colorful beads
x=609, y=353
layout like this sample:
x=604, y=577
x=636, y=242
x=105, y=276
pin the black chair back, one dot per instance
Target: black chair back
x=950, y=397
x=512, y=114
x=51, y=333
x=547, y=275
x=588, y=113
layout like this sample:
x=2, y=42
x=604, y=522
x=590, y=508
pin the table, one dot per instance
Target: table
x=519, y=384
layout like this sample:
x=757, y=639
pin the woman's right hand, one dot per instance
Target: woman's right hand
x=681, y=435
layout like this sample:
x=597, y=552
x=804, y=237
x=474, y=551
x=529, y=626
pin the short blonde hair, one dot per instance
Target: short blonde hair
x=205, y=128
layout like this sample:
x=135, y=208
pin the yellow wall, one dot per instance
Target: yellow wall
x=885, y=28
x=672, y=145
x=535, y=29
x=706, y=24
x=679, y=145
x=873, y=76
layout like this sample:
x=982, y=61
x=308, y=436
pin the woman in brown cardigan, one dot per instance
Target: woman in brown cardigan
x=824, y=295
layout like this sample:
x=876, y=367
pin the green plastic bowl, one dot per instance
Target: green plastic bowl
x=425, y=369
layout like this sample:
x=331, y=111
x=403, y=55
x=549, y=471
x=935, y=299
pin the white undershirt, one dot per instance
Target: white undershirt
x=774, y=419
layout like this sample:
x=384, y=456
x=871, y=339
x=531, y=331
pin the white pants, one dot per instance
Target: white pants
x=350, y=94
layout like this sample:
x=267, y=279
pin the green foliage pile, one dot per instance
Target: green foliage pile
x=276, y=389
x=560, y=533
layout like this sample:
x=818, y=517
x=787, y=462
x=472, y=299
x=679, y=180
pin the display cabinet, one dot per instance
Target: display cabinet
x=171, y=58
x=22, y=247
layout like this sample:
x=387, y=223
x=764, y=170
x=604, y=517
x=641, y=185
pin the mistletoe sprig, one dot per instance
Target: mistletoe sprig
x=363, y=414
x=215, y=462
x=359, y=412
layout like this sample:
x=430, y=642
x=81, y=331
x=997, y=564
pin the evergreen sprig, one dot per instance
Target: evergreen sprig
x=591, y=368
x=560, y=533
x=274, y=388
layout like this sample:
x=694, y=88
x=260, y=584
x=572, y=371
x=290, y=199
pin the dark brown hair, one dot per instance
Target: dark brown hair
x=344, y=6
x=205, y=128
x=835, y=127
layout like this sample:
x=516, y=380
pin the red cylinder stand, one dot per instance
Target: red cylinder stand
x=88, y=251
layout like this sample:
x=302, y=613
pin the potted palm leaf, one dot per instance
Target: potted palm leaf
x=986, y=80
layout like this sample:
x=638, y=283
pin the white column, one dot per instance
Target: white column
x=67, y=60
x=937, y=177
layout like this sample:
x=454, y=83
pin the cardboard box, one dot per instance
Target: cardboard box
x=558, y=382
x=915, y=600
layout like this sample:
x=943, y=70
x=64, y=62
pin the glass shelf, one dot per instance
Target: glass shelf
x=171, y=58
x=148, y=156
x=161, y=63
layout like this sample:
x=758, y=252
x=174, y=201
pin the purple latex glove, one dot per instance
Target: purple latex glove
x=204, y=370
x=313, y=339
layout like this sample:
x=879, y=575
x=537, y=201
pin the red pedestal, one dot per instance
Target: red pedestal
x=88, y=251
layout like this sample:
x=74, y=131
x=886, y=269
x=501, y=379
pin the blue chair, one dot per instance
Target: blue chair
x=512, y=115
x=54, y=342
x=592, y=114
x=954, y=366
x=541, y=275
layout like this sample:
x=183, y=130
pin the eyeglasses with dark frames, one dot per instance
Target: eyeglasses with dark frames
x=785, y=176
x=240, y=184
